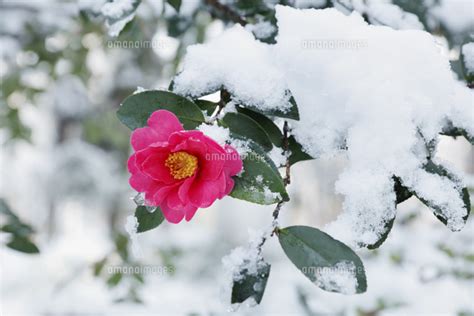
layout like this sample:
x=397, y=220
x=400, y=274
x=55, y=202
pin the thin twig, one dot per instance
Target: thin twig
x=227, y=11
x=286, y=181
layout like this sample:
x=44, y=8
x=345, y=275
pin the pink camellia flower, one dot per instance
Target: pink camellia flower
x=178, y=170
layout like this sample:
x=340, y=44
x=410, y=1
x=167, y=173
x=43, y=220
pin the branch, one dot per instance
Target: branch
x=227, y=11
x=286, y=181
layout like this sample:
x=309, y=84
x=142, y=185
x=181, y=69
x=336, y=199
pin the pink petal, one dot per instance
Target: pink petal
x=172, y=215
x=143, y=137
x=184, y=189
x=162, y=193
x=204, y=193
x=233, y=164
x=154, y=166
x=164, y=123
x=190, y=211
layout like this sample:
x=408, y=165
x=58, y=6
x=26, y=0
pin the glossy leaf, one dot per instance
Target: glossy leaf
x=251, y=285
x=247, y=128
x=312, y=250
x=137, y=108
x=148, y=220
x=260, y=182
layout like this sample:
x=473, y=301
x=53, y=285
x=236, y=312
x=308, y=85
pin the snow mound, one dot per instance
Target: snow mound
x=238, y=62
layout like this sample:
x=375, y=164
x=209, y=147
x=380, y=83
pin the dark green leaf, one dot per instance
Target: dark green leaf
x=297, y=153
x=22, y=244
x=242, y=125
x=274, y=133
x=312, y=250
x=147, y=220
x=137, y=108
x=251, y=285
x=176, y=4
x=260, y=182
x=206, y=106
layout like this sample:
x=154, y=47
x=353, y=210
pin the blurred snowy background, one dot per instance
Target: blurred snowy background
x=63, y=172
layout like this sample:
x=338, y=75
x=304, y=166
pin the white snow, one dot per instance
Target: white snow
x=240, y=63
x=385, y=13
x=340, y=278
x=262, y=29
x=457, y=15
x=218, y=133
x=131, y=227
x=468, y=55
x=414, y=91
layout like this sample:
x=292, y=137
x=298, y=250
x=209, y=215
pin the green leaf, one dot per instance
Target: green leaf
x=115, y=279
x=274, y=133
x=441, y=171
x=23, y=244
x=313, y=252
x=260, y=182
x=148, y=220
x=251, y=285
x=242, y=125
x=137, y=108
x=206, y=106
x=297, y=153
x=176, y=4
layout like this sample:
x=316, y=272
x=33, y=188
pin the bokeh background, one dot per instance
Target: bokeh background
x=63, y=176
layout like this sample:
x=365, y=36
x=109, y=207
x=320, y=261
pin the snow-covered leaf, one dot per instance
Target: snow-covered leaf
x=251, y=285
x=137, y=108
x=244, y=126
x=451, y=209
x=260, y=182
x=243, y=66
x=148, y=220
x=118, y=13
x=325, y=261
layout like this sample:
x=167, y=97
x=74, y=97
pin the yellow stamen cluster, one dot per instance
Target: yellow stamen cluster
x=181, y=164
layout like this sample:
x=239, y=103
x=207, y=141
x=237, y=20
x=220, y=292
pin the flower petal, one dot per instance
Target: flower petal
x=164, y=123
x=154, y=166
x=233, y=164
